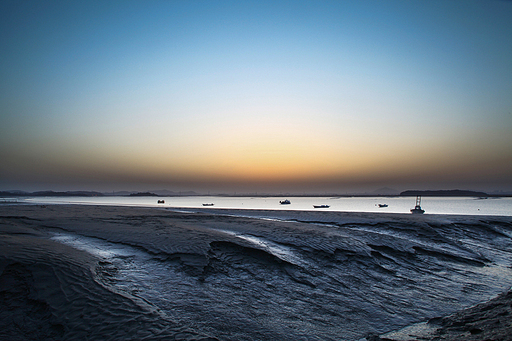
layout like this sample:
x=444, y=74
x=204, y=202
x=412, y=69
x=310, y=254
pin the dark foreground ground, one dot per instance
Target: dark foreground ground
x=491, y=320
x=122, y=273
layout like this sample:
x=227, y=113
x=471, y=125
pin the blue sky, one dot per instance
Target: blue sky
x=305, y=96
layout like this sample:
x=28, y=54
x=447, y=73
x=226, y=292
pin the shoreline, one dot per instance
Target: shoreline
x=27, y=254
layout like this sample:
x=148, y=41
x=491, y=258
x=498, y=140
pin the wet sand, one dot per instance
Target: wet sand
x=50, y=291
x=53, y=290
x=490, y=320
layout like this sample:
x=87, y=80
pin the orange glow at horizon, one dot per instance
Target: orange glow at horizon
x=256, y=152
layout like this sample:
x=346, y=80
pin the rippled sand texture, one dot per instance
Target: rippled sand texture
x=92, y=272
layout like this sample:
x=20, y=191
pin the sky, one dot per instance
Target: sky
x=256, y=96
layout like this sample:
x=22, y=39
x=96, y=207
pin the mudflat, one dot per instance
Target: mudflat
x=70, y=272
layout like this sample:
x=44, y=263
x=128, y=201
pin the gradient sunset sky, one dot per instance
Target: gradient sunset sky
x=256, y=96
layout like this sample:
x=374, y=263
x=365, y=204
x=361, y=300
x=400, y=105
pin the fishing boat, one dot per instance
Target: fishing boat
x=285, y=202
x=321, y=206
x=417, y=208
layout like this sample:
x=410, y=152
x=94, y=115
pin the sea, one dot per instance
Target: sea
x=492, y=206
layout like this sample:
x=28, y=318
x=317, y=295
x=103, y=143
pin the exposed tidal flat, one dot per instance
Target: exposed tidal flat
x=88, y=272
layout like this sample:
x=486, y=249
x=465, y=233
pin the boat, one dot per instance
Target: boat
x=321, y=206
x=383, y=205
x=417, y=208
x=161, y=202
x=209, y=204
x=285, y=202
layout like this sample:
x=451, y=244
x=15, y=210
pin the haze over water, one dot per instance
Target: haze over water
x=256, y=96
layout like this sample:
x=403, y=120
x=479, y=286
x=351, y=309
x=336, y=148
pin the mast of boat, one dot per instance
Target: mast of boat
x=418, y=201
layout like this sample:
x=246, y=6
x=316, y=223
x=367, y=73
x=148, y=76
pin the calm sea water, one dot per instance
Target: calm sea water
x=431, y=205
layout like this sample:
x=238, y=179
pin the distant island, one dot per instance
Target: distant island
x=51, y=194
x=143, y=194
x=159, y=193
x=444, y=193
